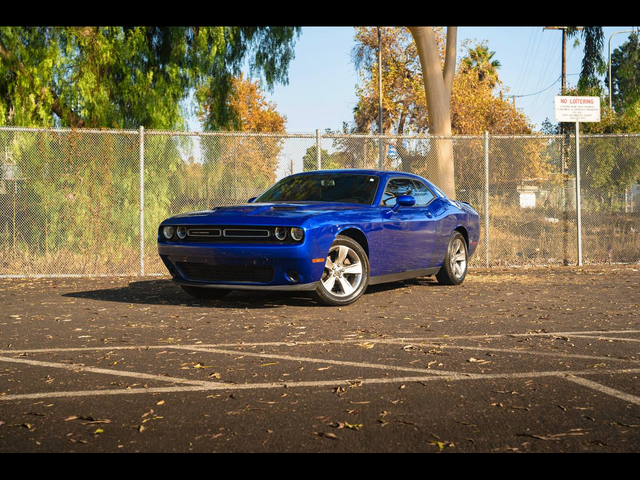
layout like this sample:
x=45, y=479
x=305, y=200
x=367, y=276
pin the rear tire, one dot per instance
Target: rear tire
x=346, y=273
x=456, y=260
x=206, y=293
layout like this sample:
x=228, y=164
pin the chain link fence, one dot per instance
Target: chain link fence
x=88, y=202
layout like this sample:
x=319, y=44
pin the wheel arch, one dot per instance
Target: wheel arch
x=463, y=231
x=357, y=235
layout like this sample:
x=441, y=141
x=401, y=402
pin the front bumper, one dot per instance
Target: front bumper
x=277, y=267
x=305, y=287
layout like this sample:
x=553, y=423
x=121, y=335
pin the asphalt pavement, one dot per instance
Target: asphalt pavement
x=514, y=360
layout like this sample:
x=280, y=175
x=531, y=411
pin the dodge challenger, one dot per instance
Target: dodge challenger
x=331, y=233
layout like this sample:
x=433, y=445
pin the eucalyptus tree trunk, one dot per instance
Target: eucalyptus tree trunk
x=438, y=82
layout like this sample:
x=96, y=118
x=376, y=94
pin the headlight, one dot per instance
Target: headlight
x=181, y=232
x=297, y=234
x=281, y=233
x=168, y=232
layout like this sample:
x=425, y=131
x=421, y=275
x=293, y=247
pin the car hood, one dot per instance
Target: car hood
x=263, y=213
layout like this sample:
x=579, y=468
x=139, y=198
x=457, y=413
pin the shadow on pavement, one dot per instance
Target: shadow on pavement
x=165, y=292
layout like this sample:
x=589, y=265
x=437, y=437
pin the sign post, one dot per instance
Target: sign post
x=577, y=109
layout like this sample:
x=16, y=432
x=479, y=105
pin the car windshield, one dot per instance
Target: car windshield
x=343, y=188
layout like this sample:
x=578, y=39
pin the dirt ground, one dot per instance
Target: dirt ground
x=542, y=359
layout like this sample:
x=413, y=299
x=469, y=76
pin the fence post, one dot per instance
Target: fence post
x=578, y=199
x=141, y=201
x=486, y=196
x=318, y=151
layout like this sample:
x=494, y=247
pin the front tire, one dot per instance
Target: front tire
x=206, y=293
x=346, y=273
x=456, y=261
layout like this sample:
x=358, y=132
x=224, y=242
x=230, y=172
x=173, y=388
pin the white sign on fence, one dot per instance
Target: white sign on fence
x=577, y=109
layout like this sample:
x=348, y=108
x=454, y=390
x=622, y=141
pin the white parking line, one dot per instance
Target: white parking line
x=615, y=339
x=323, y=361
x=603, y=389
x=118, y=373
x=518, y=351
x=212, y=386
x=425, y=375
x=437, y=340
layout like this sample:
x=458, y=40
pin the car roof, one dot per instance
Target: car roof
x=362, y=171
x=385, y=174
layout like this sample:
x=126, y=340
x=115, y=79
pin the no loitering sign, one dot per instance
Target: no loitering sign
x=577, y=109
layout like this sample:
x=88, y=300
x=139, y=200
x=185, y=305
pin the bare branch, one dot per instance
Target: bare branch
x=450, y=58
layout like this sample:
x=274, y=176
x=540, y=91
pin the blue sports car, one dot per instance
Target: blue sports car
x=331, y=233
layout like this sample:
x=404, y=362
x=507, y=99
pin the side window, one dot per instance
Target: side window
x=422, y=193
x=395, y=188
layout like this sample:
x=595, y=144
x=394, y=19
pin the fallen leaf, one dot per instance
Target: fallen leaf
x=441, y=445
x=356, y=426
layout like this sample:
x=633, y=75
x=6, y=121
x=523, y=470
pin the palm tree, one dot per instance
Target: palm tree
x=479, y=59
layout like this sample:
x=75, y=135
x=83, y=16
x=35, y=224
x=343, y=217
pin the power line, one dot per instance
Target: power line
x=533, y=55
x=546, y=74
x=542, y=91
x=525, y=59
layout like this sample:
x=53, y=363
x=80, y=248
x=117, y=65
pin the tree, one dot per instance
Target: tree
x=593, y=62
x=476, y=105
x=438, y=82
x=252, y=158
x=479, y=60
x=625, y=72
x=252, y=111
x=310, y=159
x=404, y=105
x=124, y=77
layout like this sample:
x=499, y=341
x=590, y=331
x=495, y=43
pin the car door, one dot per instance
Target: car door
x=409, y=232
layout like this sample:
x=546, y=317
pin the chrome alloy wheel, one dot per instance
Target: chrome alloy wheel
x=458, y=258
x=342, y=274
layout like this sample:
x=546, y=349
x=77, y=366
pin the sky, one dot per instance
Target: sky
x=322, y=77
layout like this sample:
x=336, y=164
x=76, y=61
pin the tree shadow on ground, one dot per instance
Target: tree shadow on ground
x=165, y=292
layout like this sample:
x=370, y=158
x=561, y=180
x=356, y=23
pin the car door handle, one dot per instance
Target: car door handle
x=429, y=214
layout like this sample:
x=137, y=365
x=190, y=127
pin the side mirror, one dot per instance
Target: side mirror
x=404, y=201
x=251, y=199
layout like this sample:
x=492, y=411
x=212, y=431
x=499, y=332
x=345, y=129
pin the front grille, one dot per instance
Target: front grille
x=203, y=272
x=231, y=234
x=204, y=232
x=246, y=233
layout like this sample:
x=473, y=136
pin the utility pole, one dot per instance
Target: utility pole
x=565, y=219
x=381, y=159
x=564, y=53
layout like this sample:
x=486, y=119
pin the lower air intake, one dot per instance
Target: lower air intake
x=202, y=272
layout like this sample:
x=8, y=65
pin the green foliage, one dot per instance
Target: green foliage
x=310, y=159
x=625, y=73
x=594, y=64
x=80, y=193
x=124, y=77
x=480, y=60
